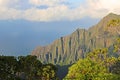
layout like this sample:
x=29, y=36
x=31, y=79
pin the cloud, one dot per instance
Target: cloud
x=49, y=14
x=10, y=13
x=8, y=3
x=45, y=2
x=56, y=9
x=100, y=8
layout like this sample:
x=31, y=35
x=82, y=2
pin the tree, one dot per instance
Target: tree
x=116, y=67
x=49, y=71
x=117, y=47
x=30, y=65
x=25, y=67
x=94, y=67
x=8, y=67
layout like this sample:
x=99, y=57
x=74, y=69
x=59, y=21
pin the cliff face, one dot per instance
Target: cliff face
x=68, y=49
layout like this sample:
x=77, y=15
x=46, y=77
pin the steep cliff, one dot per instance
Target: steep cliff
x=68, y=49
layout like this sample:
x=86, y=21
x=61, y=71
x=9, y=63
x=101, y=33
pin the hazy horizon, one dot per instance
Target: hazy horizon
x=26, y=24
x=21, y=37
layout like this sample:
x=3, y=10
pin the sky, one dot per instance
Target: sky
x=26, y=24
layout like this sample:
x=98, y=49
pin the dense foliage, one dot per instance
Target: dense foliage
x=97, y=65
x=25, y=68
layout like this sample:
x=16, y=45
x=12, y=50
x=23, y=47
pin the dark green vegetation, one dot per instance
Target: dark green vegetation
x=71, y=48
x=25, y=68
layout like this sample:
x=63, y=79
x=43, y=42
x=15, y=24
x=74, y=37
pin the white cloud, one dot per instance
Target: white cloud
x=100, y=8
x=8, y=11
x=56, y=10
x=8, y=3
x=49, y=14
x=45, y=2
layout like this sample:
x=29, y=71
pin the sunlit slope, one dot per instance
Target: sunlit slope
x=68, y=49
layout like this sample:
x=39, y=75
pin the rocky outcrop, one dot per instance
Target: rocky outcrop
x=69, y=49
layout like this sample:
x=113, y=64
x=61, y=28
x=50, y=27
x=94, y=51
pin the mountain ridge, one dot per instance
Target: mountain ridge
x=68, y=49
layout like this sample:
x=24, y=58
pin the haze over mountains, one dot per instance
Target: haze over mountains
x=68, y=49
x=25, y=24
x=20, y=37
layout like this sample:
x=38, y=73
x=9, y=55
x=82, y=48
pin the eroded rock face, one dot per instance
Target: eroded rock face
x=68, y=49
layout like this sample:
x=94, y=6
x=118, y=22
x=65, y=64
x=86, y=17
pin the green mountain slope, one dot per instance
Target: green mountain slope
x=68, y=49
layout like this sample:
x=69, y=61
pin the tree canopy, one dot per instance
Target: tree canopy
x=97, y=65
x=25, y=67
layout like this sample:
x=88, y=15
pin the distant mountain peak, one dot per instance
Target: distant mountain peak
x=68, y=49
x=112, y=15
